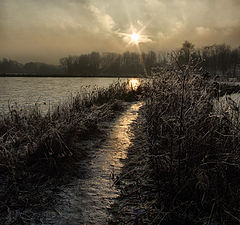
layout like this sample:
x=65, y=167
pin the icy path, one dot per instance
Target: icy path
x=87, y=200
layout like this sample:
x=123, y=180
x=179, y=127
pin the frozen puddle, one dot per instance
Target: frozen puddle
x=87, y=200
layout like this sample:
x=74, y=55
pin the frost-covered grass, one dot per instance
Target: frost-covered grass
x=37, y=150
x=195, y=151
x=30, y=135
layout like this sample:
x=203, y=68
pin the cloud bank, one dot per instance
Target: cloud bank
x=47, y=30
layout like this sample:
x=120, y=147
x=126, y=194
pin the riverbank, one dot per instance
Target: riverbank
x=182, y=167
x=40, y=152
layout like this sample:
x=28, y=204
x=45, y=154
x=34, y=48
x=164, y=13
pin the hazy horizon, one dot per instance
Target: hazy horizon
x=45, y=31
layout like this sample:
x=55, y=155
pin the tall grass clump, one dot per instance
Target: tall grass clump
x=195, y=150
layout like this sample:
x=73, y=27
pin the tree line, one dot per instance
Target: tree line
x=128, y=63
x=12, y=67
x=218, y=59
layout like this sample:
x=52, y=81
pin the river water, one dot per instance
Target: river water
x=45, y=92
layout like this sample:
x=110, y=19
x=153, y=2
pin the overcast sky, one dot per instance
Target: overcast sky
x=45, y=30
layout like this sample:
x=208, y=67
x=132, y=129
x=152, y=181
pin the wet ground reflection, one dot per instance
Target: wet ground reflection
x=86, y=201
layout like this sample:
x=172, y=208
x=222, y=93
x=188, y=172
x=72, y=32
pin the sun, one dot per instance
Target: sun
x=135, y=37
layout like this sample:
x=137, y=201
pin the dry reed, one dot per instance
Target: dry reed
x=194, y=149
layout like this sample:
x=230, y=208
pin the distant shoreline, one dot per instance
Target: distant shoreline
x=71, y=75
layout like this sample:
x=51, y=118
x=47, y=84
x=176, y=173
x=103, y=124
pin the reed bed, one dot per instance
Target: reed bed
x=194, y=149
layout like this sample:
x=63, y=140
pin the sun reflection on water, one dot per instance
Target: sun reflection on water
x=134, y=84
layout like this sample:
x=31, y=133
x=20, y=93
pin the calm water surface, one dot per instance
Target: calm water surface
x=47, y=91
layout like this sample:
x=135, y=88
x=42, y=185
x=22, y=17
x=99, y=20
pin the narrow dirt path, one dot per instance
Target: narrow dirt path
x=137, y=202
x=88, y=199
